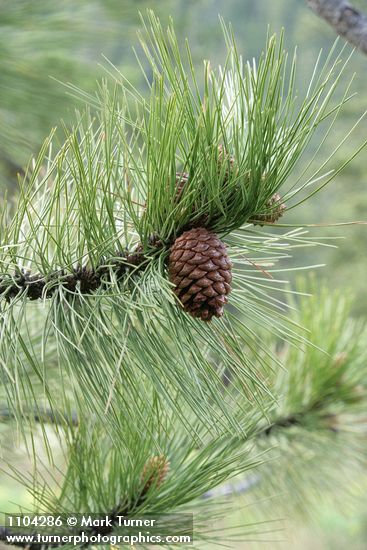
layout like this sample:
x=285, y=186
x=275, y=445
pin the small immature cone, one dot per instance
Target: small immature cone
x=154, y=472
x=275, y=209
x=225, y=158
x=200, y=268
x=181, y=180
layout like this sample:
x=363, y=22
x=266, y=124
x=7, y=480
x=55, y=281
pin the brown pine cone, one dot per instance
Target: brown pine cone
x=154, y=472
x=201, y=270
x=275, y=208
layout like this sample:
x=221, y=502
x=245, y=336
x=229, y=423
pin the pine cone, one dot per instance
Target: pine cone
x=154, y=472
x=275, y=210
x=201, y=270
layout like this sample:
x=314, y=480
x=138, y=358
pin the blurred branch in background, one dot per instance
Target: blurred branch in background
x=41, y=415
x=346, y=20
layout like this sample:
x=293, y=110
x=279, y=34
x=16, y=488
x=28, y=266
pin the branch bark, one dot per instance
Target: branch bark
x=88, y=279
x=346, y=20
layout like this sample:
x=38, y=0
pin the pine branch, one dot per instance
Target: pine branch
x=297, y=418
x=293, y=419
x=346, y=20
x=88, y=279
x=134, y=367
x=236, y=140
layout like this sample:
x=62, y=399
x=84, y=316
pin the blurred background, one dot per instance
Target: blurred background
x=47, y=42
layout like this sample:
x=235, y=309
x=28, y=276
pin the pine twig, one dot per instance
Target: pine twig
x=88, y=279
x=296, y=419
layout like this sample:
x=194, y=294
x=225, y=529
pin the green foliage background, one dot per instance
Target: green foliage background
x=65, y=40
